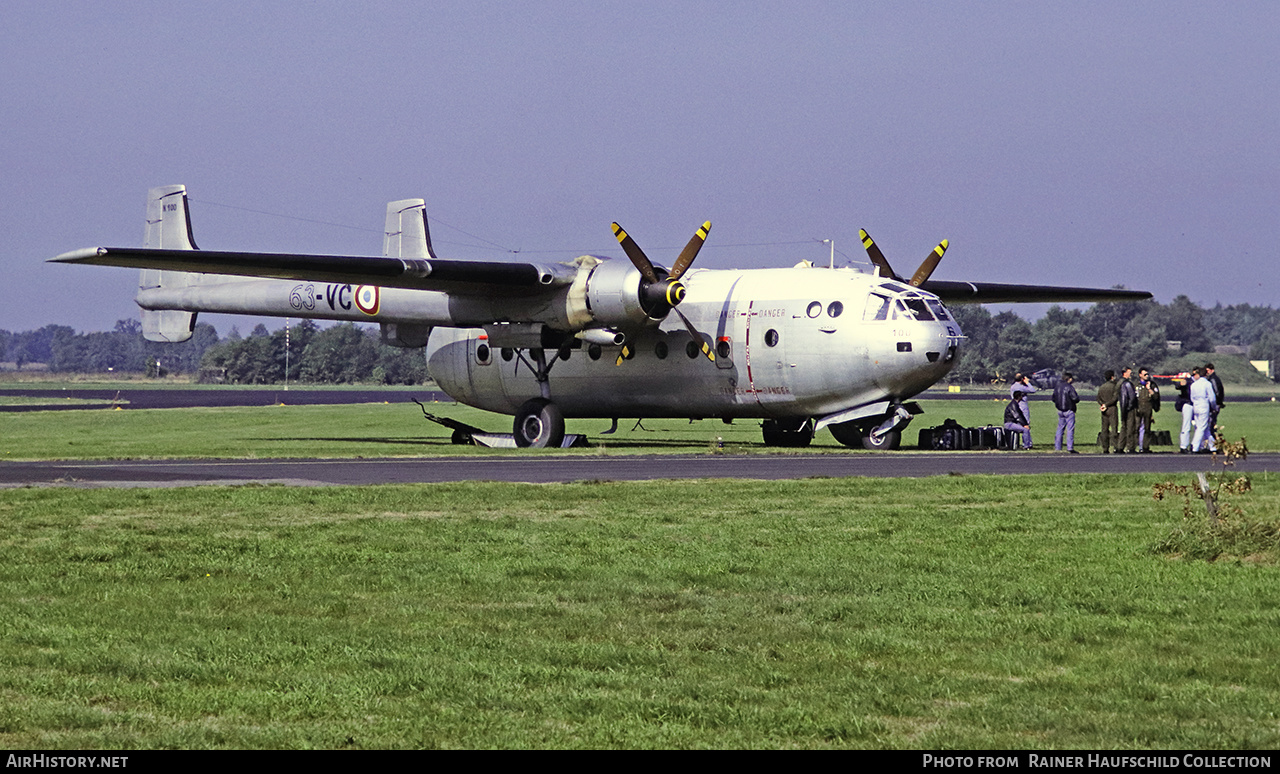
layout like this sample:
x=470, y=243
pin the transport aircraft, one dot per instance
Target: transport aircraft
x=801, y=348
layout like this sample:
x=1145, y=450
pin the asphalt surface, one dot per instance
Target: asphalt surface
x=535, y=467
x=540, y=468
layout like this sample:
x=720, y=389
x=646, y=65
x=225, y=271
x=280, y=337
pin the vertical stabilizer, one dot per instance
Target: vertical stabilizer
x=168, y=228
x=168, y=219
x=407, y=235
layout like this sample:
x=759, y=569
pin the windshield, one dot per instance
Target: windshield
x=912, y=309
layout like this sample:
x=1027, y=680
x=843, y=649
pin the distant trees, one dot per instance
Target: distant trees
x=1106, y=335
x=342, y=354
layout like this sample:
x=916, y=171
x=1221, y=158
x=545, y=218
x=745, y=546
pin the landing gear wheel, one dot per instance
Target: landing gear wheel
x=793, y=433
x=539, y=424
x=887, y=442
x=848, y=434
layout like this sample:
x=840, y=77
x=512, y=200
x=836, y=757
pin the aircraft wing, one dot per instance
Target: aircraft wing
x=415, y=274
x=996, y=293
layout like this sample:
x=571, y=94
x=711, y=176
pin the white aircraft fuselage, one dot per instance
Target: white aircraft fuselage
x=788, y=343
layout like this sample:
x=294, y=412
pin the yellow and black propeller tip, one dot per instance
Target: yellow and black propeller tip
x=690, y=251
x=877, y=257
x=930, y=263
x=922, y=274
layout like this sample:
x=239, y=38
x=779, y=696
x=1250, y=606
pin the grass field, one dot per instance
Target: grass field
x=952, y=612
x=398, y=429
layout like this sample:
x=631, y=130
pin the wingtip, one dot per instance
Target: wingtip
x=76, y=256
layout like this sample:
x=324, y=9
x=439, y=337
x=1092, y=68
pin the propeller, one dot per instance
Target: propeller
x=922, y=274
x=661, y=291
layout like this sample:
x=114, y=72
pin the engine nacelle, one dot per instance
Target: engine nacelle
x=613, y=296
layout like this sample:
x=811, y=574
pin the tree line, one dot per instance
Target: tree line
x=341, y=354
x=1106, y=335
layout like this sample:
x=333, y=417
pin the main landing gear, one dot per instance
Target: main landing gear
x=853, y=436
x=539, y=424
x=883, y=433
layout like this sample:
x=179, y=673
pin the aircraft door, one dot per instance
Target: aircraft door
x=765, y=357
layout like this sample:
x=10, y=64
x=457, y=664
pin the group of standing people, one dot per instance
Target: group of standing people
x=1200, y=398
x=1128, y=407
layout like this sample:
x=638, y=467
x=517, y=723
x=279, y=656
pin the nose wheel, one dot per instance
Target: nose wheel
x=539, y=425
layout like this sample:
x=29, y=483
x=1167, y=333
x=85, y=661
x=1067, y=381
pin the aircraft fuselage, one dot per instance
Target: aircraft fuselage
x=803, y=342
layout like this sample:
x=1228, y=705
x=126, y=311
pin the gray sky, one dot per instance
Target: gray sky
x=1059, y=143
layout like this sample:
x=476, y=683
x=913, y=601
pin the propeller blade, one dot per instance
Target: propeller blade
x=706, y=348
x=690, y=251
x=636, y=255
x=876, y=256
x=930, y=263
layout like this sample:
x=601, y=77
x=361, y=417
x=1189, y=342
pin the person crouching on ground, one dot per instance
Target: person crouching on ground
x=1020, y=391
x=1016, y=422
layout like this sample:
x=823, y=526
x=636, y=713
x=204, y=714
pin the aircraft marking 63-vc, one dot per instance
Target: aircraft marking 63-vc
x=802, y=348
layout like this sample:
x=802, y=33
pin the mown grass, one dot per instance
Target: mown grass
x=972, y=612
x=398, y=429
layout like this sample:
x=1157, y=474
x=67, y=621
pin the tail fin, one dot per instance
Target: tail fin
x=169, y=228
x=407, y=235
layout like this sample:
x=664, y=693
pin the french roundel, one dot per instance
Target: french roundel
x=368, y=298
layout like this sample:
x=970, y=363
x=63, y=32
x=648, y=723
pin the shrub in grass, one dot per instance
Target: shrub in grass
x=1221, y=529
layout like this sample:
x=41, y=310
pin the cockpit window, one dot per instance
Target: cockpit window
x=912, y=309
x=939, y=311
x=877, y=307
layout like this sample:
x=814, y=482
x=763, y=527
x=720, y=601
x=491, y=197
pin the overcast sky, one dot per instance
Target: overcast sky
x=1059, y=143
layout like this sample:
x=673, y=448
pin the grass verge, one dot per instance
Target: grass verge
x=953, y=612
x=398, y=429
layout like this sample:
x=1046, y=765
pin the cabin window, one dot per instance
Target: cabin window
x=483, y=354
x=660, y=349
x=771, y=338
x=507, y=354
x=835, y=308
x=692, y=349
x=722, y=349
x=593, y=351
x=877, y=307
x=815, y=309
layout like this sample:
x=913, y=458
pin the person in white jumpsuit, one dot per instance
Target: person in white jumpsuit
x=1188, y=415
x=1203, y=402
